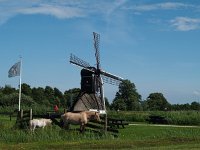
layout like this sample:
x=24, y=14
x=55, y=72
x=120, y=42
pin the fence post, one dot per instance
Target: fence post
x=106, y=123
x=31, y=114
x=10, y=116
x=21, y=114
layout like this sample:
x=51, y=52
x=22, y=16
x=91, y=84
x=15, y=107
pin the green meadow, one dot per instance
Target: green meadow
x=131, y=137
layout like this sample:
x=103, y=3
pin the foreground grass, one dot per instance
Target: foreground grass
x=102, y=144
x=132, y=137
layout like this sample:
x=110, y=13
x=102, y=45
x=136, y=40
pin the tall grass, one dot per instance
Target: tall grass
x=183, y=117
x=172, y=117
x=50, y=134
x=131, y=116
x=47, y=135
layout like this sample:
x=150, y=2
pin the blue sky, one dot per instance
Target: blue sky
x=155, y=44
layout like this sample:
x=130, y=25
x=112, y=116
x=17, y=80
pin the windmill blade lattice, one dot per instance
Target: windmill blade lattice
x=79, y=62
x=111, y=76
x=96, y=47
x=110, y=80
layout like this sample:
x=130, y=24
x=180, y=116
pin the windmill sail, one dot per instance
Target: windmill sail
x=110, y=80
x=109, y=75
x=96, y=47
x=79, y=62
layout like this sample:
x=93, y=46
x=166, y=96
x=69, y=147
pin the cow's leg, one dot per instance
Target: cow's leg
x=82, y=128
x=67, y=126
x=33, y=129
x=30, y=126
x=62, y=123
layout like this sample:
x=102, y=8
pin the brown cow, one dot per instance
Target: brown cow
x=81, y=118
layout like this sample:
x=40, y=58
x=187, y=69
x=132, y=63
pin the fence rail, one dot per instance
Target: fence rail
x=24, y=116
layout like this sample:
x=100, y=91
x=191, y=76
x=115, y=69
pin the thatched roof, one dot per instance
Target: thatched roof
x=88, y=101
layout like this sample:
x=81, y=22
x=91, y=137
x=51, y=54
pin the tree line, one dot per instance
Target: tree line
x=126, y=98
x=47, y=97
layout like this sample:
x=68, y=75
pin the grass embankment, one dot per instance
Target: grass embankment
x=138, y=137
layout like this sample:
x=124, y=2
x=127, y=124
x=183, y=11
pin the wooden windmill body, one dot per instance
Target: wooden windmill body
x=91, y=96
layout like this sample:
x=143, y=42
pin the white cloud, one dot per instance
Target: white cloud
x=57, y=8
x=116, y=5
x=185, y=23
x=170, y=5
x=159, y=6
x=60, y=12
x=196, y=92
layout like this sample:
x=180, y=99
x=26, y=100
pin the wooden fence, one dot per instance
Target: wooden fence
x=23, y=118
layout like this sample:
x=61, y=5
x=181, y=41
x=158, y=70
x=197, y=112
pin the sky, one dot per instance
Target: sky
x=153, y=43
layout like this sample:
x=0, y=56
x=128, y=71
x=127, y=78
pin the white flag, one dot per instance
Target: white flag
x=14, y=70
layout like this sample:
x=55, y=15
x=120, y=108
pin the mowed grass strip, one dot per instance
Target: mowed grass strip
x=102, y=144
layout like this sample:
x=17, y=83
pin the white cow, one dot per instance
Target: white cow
x=39, y=123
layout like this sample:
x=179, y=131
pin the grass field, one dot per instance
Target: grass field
x=132, y=137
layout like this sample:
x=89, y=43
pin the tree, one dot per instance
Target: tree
x=144, y=105
x=118, y=104
x=70, y=97
x=195, y=106
x=26, y=89
x=58, y=93
x=49, y=94
x=8, y=90
x=13, y=99
x=156, y=101
x=59, y=98
x=107, y=103
x=39, y=96
x=127, y=93
x=186, y=106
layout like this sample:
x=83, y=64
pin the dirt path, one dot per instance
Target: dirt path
x=164, y=125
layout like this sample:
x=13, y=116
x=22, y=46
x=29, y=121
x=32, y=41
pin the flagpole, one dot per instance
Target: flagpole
x=20, y=80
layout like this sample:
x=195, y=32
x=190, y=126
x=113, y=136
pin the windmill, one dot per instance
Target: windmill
x=91, y=96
